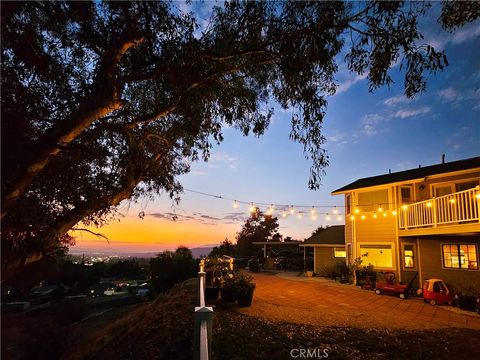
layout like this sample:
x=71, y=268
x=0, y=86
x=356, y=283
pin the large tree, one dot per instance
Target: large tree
x=106, y=101
x=258, y=227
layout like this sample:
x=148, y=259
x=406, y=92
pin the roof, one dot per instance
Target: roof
x=332, y=235
x=275, y=242
x=416, y=173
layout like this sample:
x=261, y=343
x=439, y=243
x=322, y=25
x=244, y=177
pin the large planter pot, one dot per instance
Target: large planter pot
x=245, y=298
x=308, y=273
x=467, y=303
x=228, y=294
x=211, y=293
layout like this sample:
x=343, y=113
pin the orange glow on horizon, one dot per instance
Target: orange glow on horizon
x=150, y=234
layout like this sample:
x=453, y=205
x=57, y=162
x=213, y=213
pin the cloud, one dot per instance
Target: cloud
x=449, y=94
x=198, y=173
x=396, y=100
x=406, y=113
x=370, y=123
x=468, y=33
x=347, y=84
x=464, y=35
x=224, y=158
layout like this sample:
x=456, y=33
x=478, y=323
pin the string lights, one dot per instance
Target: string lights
x=312, y=211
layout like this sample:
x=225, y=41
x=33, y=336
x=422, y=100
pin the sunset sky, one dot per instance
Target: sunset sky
x=367, y=134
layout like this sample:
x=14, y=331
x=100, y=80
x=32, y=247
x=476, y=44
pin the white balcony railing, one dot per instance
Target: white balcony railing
x=457, y=208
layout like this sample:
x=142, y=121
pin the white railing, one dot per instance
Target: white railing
x=203, y=321
x=457, y=208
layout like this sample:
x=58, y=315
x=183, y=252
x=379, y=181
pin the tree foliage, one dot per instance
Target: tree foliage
x=258, y=227
x=106, y=101
x=169, y=268
x=226, y=247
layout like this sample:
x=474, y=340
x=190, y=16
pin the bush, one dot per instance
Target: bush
x=169, y=268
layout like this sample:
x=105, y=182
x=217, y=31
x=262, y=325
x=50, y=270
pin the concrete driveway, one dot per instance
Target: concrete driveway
x=318, y=301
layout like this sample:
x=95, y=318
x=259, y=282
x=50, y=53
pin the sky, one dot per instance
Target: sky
x=367, y=134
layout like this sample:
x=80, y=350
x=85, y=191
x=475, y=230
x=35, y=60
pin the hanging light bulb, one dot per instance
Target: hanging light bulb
x=252, y=208
x=335, y=211
x=292, y=209
x=404, y=207
x=314, y=217
x=394, y=213
x=374, y=215
x=339, y=218
x=429, y=204
x=328, y=218
x=284, y=214
x=352, y=217
x=363, y=217
x=235, y=204
x=357, y=210
x=299, y=216
x=312, y=211
x=384, y=214
x=380, y=209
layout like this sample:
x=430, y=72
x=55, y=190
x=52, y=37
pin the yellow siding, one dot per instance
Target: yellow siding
x=423, y=189
x=324, y=260
x=376, y=230
x=432, y=267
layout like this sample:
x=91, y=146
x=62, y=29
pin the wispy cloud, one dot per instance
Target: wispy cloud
x=347, y=84
x=449, y=94
x=468, y=33
x=397, y=100
x=198, y=217
x=224, y=158
x=410, y=112
x=370, y=123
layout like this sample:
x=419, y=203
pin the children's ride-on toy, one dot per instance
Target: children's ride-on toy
x=389, y=286
x=436, y=292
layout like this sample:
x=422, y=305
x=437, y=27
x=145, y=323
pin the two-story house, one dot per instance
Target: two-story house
x=423, y=220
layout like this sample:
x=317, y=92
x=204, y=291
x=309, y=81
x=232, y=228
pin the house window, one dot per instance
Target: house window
x=465, y=185
x=339, y=252
x=347, y=203
x=460, y=256
x=408, y=257
x=380, y=256
x=406, y=195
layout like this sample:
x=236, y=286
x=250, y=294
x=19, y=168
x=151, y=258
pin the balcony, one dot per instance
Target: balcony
x=449, y=214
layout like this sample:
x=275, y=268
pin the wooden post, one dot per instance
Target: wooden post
x=264, y=251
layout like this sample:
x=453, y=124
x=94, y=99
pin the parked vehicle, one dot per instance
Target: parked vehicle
x=436, y=292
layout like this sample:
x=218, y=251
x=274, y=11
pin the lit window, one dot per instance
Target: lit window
x=408, y=257
x=347, y=203
x=460, y=256
x=339, y=252
x=377, y=255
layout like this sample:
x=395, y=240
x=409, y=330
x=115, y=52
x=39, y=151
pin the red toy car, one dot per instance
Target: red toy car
x=389, y=286
x=436, y=292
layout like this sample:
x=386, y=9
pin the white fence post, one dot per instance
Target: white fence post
x=203, y=316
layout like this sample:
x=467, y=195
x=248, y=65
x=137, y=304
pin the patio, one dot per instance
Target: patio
x=318, y=301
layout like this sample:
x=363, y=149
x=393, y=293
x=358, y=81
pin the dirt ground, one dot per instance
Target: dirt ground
x=326, y=303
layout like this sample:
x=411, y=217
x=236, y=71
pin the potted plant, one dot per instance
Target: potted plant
x=216, y=270
x=467, y=298
x=228, y=288
x=244, y=289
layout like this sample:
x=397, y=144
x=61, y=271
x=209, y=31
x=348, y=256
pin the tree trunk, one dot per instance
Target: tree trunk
x=90, y=110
